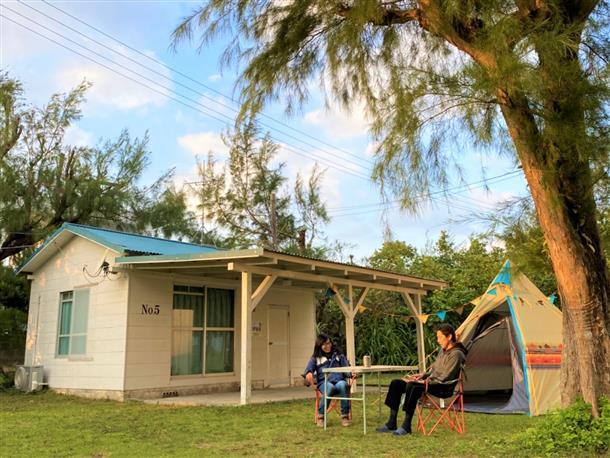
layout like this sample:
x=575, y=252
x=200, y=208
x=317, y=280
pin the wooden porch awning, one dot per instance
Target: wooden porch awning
x=301, y=271
x=258, y=269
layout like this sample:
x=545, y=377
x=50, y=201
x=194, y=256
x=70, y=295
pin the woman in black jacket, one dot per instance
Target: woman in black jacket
x=441, y=378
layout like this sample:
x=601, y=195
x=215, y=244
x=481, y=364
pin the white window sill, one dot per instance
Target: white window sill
x=202, y=376
x=80, y=358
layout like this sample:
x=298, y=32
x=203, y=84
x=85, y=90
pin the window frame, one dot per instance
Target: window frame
x=203, y=329
x=70, y=334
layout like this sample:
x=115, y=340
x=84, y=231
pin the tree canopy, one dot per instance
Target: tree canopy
x=251, y=202
x=45, y=182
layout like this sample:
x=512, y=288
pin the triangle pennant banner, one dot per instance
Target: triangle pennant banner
x=441, y=315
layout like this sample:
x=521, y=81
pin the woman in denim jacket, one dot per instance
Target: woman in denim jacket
x=324, y=356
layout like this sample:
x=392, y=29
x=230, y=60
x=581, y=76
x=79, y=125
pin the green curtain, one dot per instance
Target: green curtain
x=219, y=352
x=188, y=311
x=220, y=308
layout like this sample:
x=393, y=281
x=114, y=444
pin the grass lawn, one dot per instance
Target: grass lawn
x=46, y=424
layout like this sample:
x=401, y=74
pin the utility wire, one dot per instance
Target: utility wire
x=158, y=62
x=291, y=148
x=382, y=206
x=454, y=190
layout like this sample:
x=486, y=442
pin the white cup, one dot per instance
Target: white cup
x=366, y=361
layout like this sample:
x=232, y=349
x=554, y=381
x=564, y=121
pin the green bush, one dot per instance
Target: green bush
x=7, y=379
x=570, y=430
x=13, y=329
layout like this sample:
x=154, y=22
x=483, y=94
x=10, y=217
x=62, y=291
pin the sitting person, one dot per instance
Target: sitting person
x=441, y=377
x=324, y=356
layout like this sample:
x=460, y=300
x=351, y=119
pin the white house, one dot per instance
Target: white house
x=118, y=315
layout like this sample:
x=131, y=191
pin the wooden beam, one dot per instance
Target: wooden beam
x=237, y=267
x=246, y=339
x=261, y=291
x=419, y=328
x=344, y=308
x=409, y=303
x=421, y=347
x=360, y=299
x=350, y=339
x=431, y=284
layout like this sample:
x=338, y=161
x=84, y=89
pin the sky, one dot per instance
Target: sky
x=185, y=100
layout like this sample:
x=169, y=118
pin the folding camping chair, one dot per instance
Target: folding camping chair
x=445, y=409
x=333, y=404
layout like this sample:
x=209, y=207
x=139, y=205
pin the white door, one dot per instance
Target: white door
x=278, y=350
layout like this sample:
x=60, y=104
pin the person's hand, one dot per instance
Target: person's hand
x=413, y=378
x=309, y=378
x=354, y=375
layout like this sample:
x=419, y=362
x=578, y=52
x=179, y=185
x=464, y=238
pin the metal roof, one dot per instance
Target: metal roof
x=142, y=252
x=124, y=243
x=302, y=271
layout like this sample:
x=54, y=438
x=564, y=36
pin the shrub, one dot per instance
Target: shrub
x=7, y=379
x=570, y=430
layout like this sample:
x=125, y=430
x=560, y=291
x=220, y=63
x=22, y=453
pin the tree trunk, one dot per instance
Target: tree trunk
x=561, y=188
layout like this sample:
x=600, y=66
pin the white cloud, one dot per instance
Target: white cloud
x=203, y=142
x=215, y=77
x=338, y=123
x=110, y=88
x=78, y=137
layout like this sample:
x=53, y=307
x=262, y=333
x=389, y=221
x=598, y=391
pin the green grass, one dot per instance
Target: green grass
x=46, y=424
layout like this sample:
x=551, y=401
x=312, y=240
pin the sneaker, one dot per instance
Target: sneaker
x=384, y=429
x=345, y=421
x=320, y=422
x=401, y=432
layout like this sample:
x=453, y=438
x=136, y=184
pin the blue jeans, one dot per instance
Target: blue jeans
x=339, y=389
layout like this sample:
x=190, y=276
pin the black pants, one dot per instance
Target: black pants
x=413, y=391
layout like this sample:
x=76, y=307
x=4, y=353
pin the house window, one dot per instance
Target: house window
x=73, y=317
x=203, y=330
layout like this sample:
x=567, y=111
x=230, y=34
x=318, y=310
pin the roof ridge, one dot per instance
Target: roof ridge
x=116, y=231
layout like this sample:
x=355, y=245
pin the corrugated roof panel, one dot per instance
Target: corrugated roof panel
x=138, y=244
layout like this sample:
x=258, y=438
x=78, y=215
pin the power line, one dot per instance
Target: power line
x=290, y=148
x=158, y=62
x=455, y=190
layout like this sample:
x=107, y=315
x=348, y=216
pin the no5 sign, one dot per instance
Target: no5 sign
x=150, y=309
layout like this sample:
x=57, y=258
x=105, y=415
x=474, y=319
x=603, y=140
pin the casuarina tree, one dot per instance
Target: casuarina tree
x=45, y=181
x=530, y=77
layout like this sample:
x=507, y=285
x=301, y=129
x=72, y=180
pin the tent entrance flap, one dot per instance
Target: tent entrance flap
x=514, y=336
x=494, y=374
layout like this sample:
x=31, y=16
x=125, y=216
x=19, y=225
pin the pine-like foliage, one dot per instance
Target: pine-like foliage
x=250, y=200
x=433, y=75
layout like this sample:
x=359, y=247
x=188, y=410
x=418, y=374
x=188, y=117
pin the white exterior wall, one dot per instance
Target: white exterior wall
x=102, y=368
x=149, y=337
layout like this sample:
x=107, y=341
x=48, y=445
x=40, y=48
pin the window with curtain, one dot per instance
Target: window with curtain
x=203, y=330
x=72, y=322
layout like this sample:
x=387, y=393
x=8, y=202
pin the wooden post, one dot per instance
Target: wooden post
x=246, y=339
x=350, y=339
x=419, y=328
x=421, y=346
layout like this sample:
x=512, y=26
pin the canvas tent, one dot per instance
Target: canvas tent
x=514, y=336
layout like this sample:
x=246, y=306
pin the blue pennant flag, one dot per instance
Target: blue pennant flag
x=441, y=315
x=329, y=293
x=552, y=298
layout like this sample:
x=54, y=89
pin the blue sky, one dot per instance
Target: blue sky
x=179, y=132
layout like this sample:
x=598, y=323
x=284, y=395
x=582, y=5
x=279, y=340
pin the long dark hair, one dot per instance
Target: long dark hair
x=317, y=348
